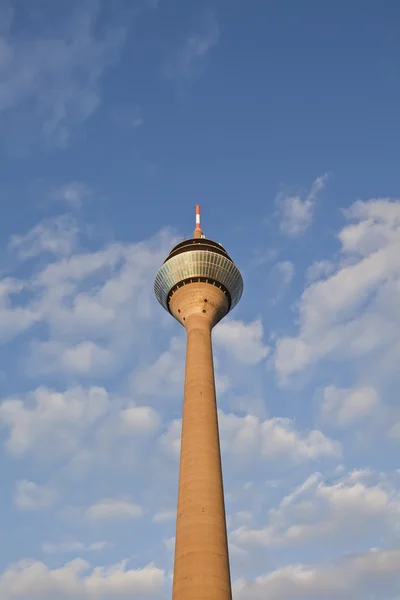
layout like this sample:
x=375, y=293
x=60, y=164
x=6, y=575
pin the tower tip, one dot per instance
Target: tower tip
x=198, y=232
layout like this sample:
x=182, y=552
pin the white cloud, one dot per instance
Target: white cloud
x=344, y=407
x=244, y=515
x=350, y=509
x=242, y=341
x=170, y=544
x=52, y=77
x=236, y=552
x=89, y=301
x=318, y=270
x=83, y=358
x=32, y=496
x=95, y=305
x=56, y=236
x=170, y=440
x=16, y=316
x=139, y=419
x=102, y=302
x=295, y=214
x=286, y=271
x=188, y=60
x=273, y=438
x=164, y=516
x=249, y=437
x=72, y=193
x=166, y=374
x=77, y=579
x=376, y=225
x=114, y=276
x=355, y=311
x=86, y=428
x=222, y=381
x=111, y=509
x=73, y=547
x=281, y=276
x=369, y=574
x=48, y=419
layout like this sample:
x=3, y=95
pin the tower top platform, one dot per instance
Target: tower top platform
x=197, y=244
x=198, y=260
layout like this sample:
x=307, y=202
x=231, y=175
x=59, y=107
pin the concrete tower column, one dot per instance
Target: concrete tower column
x=201, y=570
x=199, y=284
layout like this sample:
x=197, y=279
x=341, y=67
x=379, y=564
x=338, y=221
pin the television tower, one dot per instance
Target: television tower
x=199, y=284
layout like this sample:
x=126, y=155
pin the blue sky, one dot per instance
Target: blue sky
x=281, y=120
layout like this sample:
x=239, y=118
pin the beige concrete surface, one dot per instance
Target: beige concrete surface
x=201, y=568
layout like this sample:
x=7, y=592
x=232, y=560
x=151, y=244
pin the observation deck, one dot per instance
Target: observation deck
x=198, y=259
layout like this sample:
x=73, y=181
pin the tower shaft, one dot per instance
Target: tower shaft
x=201, y=569
x=199, y=284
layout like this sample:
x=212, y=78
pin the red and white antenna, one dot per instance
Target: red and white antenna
x=198, y=217
x=198, y=232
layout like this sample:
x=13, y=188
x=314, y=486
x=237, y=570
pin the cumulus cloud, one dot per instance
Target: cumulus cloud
x=170, y=440
x=373, y=573
x=249, y=437
x=85, y=358
x=318, y=270
x=170, y=544
x=111, y=509
x=16, y=316
x=353, y=312
x=82, y=357
x=56, y=236
x=165, y=375
x=139, y=419
x=350, y=509
x=286, y=270
x=241, y=341
x=344, y=407
x=78, y=579
x=280, y=278
x=164, y=516
x=46, y=419
x=32, y=496
x=95, y=308
x=50, y=78
x=274, y=438
x=295, y=214
x=93, y=304
x=86, y=428
x=72, y=547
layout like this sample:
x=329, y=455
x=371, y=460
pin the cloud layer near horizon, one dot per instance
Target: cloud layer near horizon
x=94, y=309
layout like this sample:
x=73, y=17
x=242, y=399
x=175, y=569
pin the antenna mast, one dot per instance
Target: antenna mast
x=198, y=232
